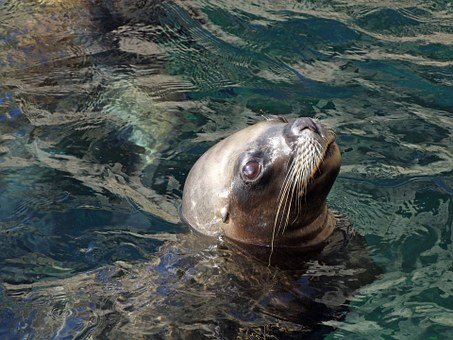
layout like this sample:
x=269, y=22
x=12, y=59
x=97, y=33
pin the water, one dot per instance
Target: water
x=105, y=105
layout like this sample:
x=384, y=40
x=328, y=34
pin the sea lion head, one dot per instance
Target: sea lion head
x=265, y=185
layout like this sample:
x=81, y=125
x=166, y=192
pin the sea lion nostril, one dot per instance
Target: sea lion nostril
x=303, y=123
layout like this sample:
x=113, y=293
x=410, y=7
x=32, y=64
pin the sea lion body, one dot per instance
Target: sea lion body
x=265, y=185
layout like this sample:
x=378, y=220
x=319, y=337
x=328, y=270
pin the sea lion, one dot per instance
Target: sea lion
x=266, y=185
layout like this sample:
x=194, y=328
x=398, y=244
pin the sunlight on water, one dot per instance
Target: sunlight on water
x=104, y=107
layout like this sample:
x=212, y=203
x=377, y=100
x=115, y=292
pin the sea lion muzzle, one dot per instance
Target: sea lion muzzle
x=299, y=125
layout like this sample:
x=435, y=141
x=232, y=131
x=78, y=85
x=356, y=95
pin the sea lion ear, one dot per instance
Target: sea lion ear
x=276, y=117
x=225, y=215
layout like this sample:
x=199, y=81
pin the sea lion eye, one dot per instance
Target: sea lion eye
x=251, y=170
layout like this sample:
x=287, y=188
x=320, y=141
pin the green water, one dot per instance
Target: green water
x=105, y=105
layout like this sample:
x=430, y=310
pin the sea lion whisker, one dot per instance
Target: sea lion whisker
x=296, y=187
x=281, y=199
x=298, y=196
x=298, y=178
x=286, y=200
x=284, y=189
x=288, y=212
x=288, y=185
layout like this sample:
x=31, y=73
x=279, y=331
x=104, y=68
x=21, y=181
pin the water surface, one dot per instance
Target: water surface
x=105, y=105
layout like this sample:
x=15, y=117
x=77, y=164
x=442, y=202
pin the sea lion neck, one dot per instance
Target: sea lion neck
x=311, y=234
x=298, y=235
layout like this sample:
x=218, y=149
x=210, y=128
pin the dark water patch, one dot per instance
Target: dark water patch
x=161, y=295
x=387, y=19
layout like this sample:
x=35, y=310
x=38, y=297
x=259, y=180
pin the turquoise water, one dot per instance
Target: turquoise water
x=105, y=105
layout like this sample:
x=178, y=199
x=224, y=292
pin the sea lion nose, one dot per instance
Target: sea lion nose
x=300, y=124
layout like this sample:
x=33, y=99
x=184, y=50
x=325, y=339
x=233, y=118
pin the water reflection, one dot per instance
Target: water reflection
x=104, y=106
